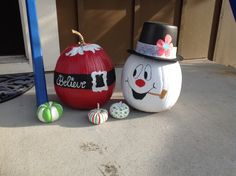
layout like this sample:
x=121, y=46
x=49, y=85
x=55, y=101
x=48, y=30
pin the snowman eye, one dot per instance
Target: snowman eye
x=148, y=73
x=137, y=71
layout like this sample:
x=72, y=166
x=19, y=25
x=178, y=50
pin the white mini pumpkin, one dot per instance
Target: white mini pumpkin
x=98, y=116
x=119, y=110
x=151, y=85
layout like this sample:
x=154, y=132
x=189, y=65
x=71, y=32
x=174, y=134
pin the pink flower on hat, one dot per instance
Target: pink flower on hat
x=164, y=47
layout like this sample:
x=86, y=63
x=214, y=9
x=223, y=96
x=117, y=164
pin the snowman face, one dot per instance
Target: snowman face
x=150, y=85
x=143, y=81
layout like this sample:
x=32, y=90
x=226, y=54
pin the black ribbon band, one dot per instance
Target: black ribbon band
x=97, y=81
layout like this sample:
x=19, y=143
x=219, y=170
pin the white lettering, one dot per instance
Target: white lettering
x=69, y=82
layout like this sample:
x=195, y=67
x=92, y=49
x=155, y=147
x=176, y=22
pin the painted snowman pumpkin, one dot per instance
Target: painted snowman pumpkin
x=152, y=77
x=149, y=85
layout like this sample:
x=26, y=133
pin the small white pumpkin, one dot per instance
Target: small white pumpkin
x=98, y=116
x=49, y=112
x=151, y=85
x=119, y=110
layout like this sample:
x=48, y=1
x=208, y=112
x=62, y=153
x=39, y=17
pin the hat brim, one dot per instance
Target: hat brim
x=178, y=57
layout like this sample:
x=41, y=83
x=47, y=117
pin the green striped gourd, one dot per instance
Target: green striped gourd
x=98, y=116
x=49, y=112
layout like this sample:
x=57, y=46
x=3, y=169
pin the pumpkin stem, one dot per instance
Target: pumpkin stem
x=98, y=105
x=81, y=38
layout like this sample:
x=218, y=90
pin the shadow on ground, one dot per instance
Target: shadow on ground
x=24, y=115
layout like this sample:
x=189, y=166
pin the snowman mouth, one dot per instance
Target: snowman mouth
x=138, y=96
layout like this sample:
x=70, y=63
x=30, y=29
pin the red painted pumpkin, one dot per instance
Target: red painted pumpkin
x=84, y=76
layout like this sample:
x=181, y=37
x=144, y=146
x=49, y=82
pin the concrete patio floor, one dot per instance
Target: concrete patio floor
x=197, y=137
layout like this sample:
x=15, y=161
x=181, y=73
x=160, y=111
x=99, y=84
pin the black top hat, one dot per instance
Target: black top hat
x=158, y=41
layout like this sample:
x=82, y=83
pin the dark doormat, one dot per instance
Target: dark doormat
x=13, y=85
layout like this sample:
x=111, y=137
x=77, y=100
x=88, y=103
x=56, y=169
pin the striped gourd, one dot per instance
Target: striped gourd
x=98, y=116
x=49, y=112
